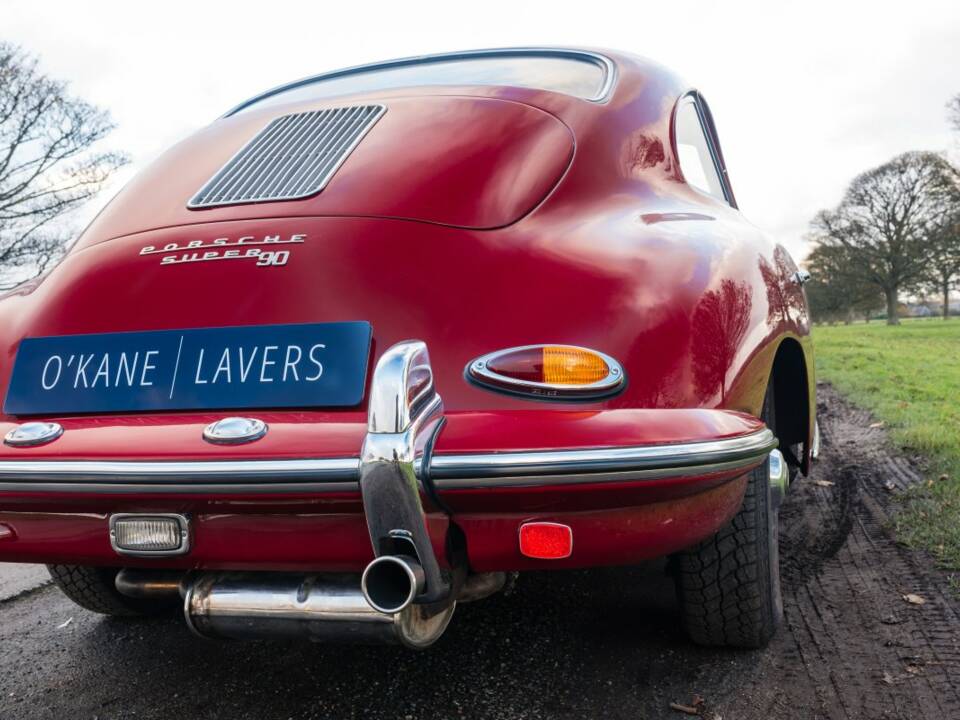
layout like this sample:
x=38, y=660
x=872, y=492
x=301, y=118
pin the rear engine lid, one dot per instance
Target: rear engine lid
x=460, y=161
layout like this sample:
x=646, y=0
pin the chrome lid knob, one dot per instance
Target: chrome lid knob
x=234, y=431
x=33, y=433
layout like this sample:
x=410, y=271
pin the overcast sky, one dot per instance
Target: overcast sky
x=805, y=94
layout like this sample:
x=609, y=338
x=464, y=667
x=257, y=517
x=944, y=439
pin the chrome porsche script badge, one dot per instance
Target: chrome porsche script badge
x=262, y=249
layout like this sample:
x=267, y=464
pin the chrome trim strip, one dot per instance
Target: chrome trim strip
x=682, y=456
x=215, y=489
x=592, y=478
x=342, y=474
x=603, y=94
x=162, y=471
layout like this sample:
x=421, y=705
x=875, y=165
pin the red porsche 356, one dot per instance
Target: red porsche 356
x=376, y=339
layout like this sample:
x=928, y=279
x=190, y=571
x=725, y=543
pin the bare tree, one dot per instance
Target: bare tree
x=953, y=112
x=887, y=220
x=944, y=270
x=837, y=292
x=720, y=321
x=48, y=163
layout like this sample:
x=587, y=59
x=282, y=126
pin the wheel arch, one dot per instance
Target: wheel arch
x=791, y=383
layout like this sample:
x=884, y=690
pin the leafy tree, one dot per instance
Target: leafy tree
x=884, y=225
x=48, y=163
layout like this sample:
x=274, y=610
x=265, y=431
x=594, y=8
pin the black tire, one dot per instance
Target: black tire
x=729, y=585
x=94, y=588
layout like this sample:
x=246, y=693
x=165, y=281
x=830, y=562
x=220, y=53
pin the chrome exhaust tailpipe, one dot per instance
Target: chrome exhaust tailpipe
x=323, y=608
x=391, y=582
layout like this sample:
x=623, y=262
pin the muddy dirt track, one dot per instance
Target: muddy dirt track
x=598, y=644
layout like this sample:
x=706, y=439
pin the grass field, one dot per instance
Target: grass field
x=909, y=376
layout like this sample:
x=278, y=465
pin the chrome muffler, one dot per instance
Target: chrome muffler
x=324, y=608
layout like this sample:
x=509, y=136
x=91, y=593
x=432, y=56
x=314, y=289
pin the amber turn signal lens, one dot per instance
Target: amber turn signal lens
x=551, y=371
x=564, y=365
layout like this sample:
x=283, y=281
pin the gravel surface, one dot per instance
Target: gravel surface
x=597, y=644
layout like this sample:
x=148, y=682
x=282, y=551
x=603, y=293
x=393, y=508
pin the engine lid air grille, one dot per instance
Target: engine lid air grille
x=293, y=157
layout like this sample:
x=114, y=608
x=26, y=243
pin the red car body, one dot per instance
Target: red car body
x=472, y=218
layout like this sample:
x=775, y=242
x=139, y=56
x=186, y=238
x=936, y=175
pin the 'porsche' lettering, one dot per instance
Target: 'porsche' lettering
x=248, y=247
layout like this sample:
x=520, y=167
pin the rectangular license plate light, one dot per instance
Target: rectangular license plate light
x=149, y=535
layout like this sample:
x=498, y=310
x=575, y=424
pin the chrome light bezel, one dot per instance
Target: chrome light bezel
x=478, y=371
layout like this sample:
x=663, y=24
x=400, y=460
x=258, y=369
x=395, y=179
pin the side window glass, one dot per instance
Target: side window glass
x=693, y=150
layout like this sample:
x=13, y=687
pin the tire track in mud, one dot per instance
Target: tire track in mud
x=852, y=647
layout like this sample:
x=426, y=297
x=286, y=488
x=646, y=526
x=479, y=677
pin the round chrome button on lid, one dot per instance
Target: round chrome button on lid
x=234, y=431
x=33, y=433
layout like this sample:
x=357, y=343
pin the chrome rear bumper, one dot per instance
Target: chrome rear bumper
x=343, y=474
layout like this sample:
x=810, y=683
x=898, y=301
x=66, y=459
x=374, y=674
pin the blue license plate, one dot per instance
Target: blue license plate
x=260, y=366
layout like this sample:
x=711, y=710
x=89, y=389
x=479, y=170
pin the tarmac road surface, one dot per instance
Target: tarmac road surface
x=596, y=644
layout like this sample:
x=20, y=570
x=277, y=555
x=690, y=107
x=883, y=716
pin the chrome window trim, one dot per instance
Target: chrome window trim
x=342, y=474
x=603, y=94
x=706, y=126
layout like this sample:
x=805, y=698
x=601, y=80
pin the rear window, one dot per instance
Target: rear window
x=578, y=74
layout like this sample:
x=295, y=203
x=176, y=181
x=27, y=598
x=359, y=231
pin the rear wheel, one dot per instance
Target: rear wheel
x=94, y=588
x=729, y=585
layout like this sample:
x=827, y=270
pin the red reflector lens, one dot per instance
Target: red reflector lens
x=545, y=540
